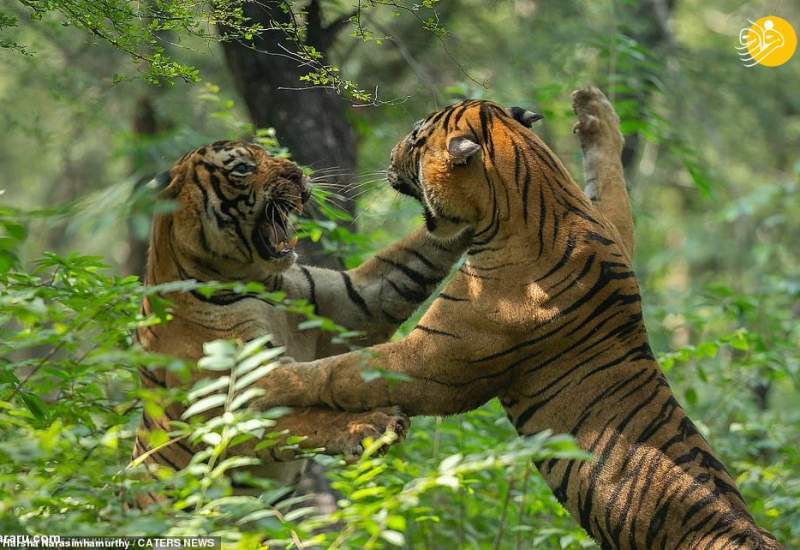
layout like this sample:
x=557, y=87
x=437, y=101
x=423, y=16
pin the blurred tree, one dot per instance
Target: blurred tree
x=146, y=125
x=647, y=25
x=311, y=121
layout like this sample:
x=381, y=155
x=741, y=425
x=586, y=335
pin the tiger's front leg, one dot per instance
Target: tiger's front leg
x=598, y=131
x=420, y=378
x=336, y=432
x=380, y=294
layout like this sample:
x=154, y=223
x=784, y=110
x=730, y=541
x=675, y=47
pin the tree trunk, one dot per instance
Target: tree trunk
x=311, y=123
x=145, y=124
x=649, y=26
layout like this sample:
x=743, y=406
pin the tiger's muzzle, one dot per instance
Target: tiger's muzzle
x=273, y=234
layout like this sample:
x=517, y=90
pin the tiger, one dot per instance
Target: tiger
x=230, y=222
x=545, y=314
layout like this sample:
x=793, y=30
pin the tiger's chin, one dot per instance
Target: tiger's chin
x=440, y=226
x=446, y=229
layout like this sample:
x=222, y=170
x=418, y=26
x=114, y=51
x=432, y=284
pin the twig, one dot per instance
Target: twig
x=503, y=514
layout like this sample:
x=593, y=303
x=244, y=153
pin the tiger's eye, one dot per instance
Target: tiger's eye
x=242, y=168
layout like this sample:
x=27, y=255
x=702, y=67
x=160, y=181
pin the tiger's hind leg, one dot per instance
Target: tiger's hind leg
x=601, y=141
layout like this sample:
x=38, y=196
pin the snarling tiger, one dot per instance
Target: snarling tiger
x=230, y=223
x=546, y=315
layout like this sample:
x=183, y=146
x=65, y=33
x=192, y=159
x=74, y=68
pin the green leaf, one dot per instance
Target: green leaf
x=393, y=537
x=450, y=462
x=739, y=341
x=216, y=363
x=204, y=405
x=219, y=348
x=35, y=405
x=259, y=358
x=310, y=324
x=206, y=386
x=253, y=346
x=234, y=462
x=257, y=515
x=254, y=375
x=244, y=397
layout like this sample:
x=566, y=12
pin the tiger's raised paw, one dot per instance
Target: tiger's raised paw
x=598, y=123
x=372, y=424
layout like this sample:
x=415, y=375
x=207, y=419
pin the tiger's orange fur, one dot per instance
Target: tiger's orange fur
x=545, y=315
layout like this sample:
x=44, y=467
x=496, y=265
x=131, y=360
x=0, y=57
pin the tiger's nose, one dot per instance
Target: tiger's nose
x=297, y=177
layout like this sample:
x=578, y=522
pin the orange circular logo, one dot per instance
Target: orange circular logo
x=771, y=41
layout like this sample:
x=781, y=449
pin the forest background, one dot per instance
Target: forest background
x=96, y=97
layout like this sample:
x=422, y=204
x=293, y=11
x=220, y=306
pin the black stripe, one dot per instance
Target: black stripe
x=312, y=289
x=526, y=190
x=353, y=294
x=523, y=344
x=157, y=455
x=432, y=266
x=412, y=274
x=430, y=330
x=517, y=169
x=555, y=227
x=408, y=294
x=151, y=377
x=462, y=110
x=462, y=269
x=586, y=509
x=149, y=423
x=223, y=298
x=635, y=354
x=446, y=122
x=196, y=181
x=570, y=248
x=494, y=223
x=481, y=250
x=587, y=266
x=493, y=267
x=604, y=278
x=542, y=218
x=592, y=236
x=444, y=296
x=391, y=318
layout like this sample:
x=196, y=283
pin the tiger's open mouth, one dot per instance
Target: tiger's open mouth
x=273, y=236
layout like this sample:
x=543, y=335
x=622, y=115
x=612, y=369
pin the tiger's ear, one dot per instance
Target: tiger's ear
x=161, y=185
x=461, y=148
x=524, y=117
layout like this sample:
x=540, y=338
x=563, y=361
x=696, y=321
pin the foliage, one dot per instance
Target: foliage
x=143, y=30
x=138, y=28
x=69, y=417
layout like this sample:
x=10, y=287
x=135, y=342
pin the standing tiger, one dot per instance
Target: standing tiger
x=546, y=315
x=231, y=224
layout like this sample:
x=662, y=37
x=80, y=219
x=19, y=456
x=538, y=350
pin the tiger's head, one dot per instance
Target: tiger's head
x=233, y=203
x=450, y=161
